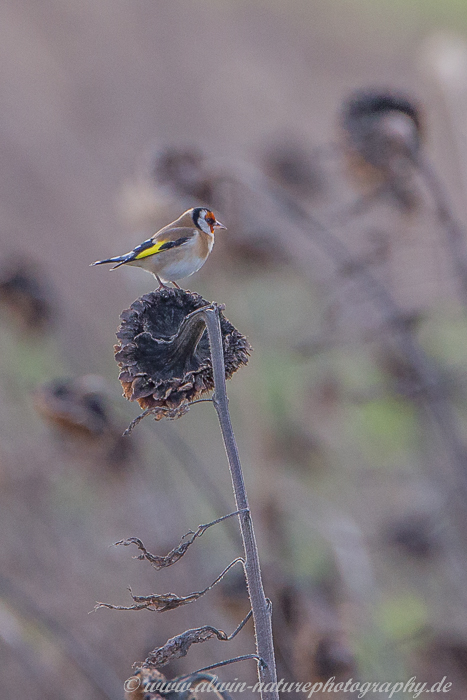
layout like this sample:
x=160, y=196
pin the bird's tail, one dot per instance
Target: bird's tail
x=120, y=260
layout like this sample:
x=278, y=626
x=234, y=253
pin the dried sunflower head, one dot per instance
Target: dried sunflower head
x=184, y=170
x=165, y=361
x=80, y=411
x=382, y=138
x=143, y=685
x=77, y=406
x=382, y=126
x=146, y=682
x=26, y=295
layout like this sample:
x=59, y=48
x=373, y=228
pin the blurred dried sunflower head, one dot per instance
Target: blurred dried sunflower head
x=26, y=295
x=165, y=361
x=184, y=171
x=139, y=686
x=382, y=141
x=77, y=406
x=146, y=682
x=290, y=162
x=79, y=410
x=382, y=126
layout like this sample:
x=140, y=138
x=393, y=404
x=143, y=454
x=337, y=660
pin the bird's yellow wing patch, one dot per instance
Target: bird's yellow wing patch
x=150, y=248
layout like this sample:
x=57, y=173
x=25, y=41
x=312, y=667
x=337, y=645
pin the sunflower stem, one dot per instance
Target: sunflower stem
x=261, y=609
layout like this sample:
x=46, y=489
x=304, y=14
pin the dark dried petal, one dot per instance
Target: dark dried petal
x=163, y=365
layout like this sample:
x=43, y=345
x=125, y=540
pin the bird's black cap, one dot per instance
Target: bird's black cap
x=196, y=214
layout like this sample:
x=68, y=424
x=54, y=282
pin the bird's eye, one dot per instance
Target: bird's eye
x=210, y=218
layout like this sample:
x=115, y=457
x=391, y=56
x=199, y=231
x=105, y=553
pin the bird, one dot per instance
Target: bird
x=178, y=250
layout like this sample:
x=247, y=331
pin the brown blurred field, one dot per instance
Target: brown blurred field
x=357, y=472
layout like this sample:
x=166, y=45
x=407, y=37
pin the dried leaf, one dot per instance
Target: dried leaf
x=161, y=562
x=178, y=646
x=166, y=601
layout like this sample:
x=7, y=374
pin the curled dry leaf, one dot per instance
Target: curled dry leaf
x=178, y=646
x=155, y=602
x=167, y=601
x=161, y=562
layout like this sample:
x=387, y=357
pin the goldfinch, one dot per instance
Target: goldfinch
x=177, y=250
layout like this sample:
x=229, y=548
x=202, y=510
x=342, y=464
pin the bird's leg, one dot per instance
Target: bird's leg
x=175, y=285
x=161, y=284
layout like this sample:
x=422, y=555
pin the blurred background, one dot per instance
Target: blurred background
x=350, y=286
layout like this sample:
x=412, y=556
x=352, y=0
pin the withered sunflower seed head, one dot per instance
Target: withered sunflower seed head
x=164, y=367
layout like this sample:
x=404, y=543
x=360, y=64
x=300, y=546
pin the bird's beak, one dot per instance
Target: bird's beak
x=219, y=225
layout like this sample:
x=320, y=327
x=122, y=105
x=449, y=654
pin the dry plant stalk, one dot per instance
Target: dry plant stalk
x=167, y=362
x=260, y=608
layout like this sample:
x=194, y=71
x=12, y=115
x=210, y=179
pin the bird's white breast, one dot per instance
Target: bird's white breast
x=188, y=260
